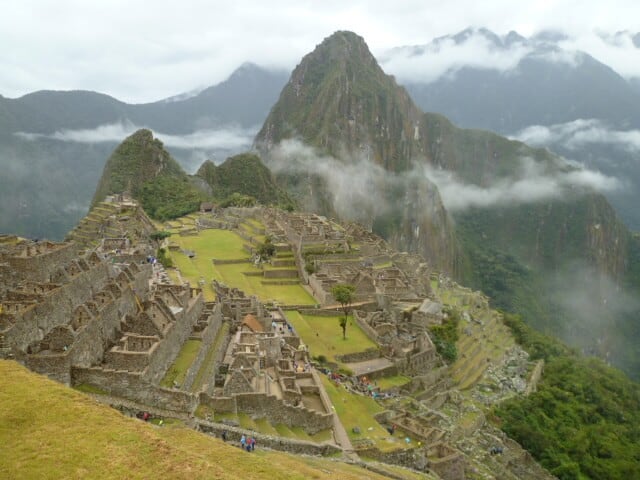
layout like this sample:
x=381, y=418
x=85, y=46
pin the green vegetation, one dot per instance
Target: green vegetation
x=319, y=334
x=386, y=383
x=343, y=294
x=164, y=258
x=142, y=167
x=242, y=181
x=176, y=373
x=166, y=197
x=445, y=336
x=584, y=420
x=49, y=431
x=160, y=235
x=227, y=245
x=358, y=411
x=266, y=249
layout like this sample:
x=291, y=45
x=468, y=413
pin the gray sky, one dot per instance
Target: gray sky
x=140, y=51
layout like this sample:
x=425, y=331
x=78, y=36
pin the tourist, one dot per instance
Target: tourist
x=243, y=441
x=253, y=444
x=224, y=435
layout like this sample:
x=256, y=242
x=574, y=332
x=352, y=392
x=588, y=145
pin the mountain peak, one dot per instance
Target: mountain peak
x=138, y=159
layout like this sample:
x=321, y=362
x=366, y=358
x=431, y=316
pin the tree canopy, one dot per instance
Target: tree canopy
x=343, y=294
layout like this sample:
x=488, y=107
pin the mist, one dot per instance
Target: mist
x=356, y=182
x=530, y=184
x=446, y=57
x=592, y=307
x=580, y=133
x=228, y=138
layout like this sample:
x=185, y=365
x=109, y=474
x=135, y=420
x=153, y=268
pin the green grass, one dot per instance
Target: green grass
x=394, y=381
x=48, y=431
x=206, y=369
x=86, y=388
x=358, y=411
x=178, y=370
x=323, y=335
x=227, y=245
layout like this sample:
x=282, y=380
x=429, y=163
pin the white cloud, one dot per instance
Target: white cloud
x=230, y=138
x=579, y=133
x=356, y=182
x=532, y=184
x=139, y=53
x=620, y=54
x=446, y=57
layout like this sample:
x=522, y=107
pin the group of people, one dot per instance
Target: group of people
x=248, y=444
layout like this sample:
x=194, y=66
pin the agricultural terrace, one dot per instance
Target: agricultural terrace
x=216, y=244
x=323, y=335
x=358, y=411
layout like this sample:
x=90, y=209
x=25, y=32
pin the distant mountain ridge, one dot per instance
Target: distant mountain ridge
x=562, y=93
x=48, y=182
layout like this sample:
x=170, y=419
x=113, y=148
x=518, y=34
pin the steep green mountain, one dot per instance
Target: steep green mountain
x=534, y=235
x=340, y=102
x=141, y=167
x=243, y=174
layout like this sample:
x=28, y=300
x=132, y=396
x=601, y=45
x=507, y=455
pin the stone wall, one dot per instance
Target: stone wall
x=39, y=268
x=220, y=404
x=261, y=405
x=368, y=354
x=208, y=336
x=55, y=366
x=366, y=328
x=132, y=386
x=169, y=348
x=57, y=307
x=268, y=441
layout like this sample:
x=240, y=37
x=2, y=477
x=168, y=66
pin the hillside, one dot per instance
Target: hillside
x=519, y=211
x=142, y=168
x=243, y=174
x=50, y=431
x=53, y=144
x=365, y=132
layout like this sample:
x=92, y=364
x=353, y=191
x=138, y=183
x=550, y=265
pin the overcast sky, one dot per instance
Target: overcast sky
x=140, y=51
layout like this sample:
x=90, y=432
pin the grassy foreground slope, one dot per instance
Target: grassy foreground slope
x=50, y=431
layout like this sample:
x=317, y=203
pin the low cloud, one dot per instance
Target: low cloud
x=531, y=184
x=590, y=303
x=356, y=184
x=618, y=51
x=478, y=49
x=579, y=133
x=445, y=57
x=229, y=138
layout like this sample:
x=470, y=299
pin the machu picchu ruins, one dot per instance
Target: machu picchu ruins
x=99, y=313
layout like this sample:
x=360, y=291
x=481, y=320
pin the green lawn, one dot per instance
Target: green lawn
x=227, y=245
x=394, y=381
x=323, y=335
x=178, y=370
x=358, y=411
x=213, y=243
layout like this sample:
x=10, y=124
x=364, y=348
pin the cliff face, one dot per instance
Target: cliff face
x=339, y=101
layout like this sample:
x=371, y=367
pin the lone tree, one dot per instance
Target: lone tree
x=343, y=294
